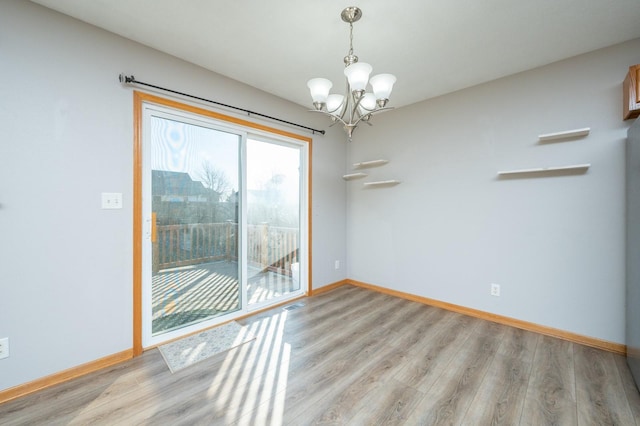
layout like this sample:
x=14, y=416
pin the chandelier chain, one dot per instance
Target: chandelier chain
x=350, y=38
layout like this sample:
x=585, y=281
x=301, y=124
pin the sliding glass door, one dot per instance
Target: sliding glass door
x=192, y=213
x=224, y=221
x=273, y=220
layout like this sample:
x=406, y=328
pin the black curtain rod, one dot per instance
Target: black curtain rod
x=132, y=80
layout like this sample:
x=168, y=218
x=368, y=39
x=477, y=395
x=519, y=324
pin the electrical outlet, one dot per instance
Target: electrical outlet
x=337, y=264
x=4, y=348
x=495, y=290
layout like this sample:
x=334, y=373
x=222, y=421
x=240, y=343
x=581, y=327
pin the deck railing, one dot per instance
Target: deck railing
x=269, y=247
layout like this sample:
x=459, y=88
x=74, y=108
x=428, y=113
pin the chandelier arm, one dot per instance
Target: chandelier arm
x=380, y=110
x=344, y=105
x=354, y=113
x=351, y=113
x=369, y=114
x=348, y=102
x=356, y=102
x=361, y=119
x=328, y=114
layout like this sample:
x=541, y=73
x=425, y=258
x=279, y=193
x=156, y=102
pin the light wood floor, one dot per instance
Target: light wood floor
x=356, y=357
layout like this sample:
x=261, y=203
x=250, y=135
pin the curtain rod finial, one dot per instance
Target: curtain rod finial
x=126, y=79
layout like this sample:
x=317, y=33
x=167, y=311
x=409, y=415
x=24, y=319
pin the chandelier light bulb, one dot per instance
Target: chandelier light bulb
x=319, y=88
x=382, y=85
x=335, y=104
x=367, y=103
x=358, y=75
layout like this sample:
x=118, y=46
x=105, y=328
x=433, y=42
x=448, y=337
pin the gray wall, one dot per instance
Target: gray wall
x=66, y=283
x=554, y=244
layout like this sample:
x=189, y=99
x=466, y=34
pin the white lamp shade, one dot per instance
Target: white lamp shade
x=367, y=103
x=335, y=103
x=358, y=75
x=382, y=85
x=319, y=88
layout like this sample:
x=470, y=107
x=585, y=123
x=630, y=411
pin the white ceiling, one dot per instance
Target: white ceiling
x=433, y=46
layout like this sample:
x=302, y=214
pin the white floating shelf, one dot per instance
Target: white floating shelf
x=565, y=134
x=373, y=163
x=352, y=176
x=382, y=183
x=575, y=167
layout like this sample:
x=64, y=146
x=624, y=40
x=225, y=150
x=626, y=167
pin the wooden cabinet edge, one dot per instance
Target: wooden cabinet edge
x=637, y=67
x=631, y=93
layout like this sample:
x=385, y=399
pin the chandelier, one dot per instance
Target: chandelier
x=356, y=104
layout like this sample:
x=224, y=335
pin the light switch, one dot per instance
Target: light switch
x=112, y=200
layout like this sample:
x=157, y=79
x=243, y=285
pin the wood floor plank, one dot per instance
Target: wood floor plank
x=200, y=404
x=357, y=336
x=167, y=389
x=341, y=406
x=314, y=359
x=391, y=407
x=74, y=396
x=422, y=328
x=423, y=369
x=315, y=313
x=343, y=361
x=303, y=332
x=353, y=356
x=551, y=395
x=449, y=398
x=357, y=359
x=600, y=395
x=193, y=394
x=307, y=386
x=630, y=388
x=501, y=395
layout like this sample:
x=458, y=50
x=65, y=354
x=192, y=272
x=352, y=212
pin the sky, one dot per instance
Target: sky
x=182, y=147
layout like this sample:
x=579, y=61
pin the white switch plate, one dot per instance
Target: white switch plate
x=4, y=348
x=112, y=200
x=337, y=264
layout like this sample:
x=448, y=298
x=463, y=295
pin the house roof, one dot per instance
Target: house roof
x=176, y=183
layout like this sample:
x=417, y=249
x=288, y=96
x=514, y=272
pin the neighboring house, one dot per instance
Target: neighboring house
x=179, y=187
x=179, y=199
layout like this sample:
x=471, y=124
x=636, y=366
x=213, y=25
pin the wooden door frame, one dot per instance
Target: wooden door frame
x=139, y=98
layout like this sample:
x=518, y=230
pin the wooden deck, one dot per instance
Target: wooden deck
x=193, y=293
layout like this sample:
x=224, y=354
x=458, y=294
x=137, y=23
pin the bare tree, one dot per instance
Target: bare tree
x=215, y=180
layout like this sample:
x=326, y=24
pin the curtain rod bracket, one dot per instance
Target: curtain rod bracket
x=125, y=79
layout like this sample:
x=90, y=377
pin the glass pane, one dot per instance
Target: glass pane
x=194, y=186
x=273, y=215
